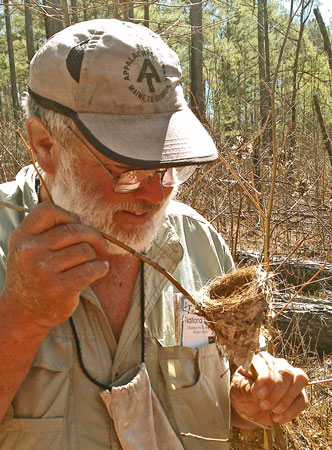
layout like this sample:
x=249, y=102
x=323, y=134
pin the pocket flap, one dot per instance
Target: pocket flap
x=32, y=425
x=54, y=353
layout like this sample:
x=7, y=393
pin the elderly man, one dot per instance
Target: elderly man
x=89, y=358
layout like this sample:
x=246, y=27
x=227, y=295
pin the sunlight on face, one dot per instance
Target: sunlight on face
x=70, y=193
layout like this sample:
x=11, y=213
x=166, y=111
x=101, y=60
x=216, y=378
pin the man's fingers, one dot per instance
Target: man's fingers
x=283, y=380
x=73, y=233
x=278, y=383
x=47, y=215
x=268, y=375
x=69, y=257
x=84, y=274
x=300, y=380
x=298, y=405
x=51, y=258
x=36, y=232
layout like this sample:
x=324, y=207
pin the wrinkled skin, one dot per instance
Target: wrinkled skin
x=52, y=257
x=277, y=393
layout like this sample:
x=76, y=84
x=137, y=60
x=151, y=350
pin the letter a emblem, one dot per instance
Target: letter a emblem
x=149, y=75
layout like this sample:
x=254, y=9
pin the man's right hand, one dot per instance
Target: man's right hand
x=52, y=256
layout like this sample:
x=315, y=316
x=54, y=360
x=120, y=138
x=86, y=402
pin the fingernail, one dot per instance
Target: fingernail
x=278, y=409
x=277, y=418
x=261, y=393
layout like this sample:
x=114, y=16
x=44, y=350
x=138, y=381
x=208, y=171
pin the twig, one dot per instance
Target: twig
x=201, y=438
x=105, y=236
x=129, y=250
x=203, y=175
x=274, y=142
x=238, y=179
x=32, y=159
x=16, y=207
x=293, y=250
x=10, y=154
x=301, y=289
x=272, y=190
x=231, y=441
x=223, y=161
x=312, y=383
x=235, y=175
x=152, y=264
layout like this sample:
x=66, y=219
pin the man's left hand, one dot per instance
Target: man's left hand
x=277, y=393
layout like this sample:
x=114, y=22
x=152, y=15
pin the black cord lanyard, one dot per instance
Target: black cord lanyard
x=142, y=314
x=78, y=345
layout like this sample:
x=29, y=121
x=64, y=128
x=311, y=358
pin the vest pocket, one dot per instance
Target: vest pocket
x=35, y=418
x=31, y=434
x=197, y=384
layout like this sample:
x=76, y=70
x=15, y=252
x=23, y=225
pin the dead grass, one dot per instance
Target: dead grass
x=313, y=428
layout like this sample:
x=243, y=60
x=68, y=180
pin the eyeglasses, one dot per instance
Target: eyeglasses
x=136, y=179
x=133, y=180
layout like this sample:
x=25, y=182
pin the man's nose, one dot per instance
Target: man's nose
x=153, y=192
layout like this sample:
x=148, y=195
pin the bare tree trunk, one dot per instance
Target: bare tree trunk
x=65, y=12
x=268, y=132
x=326, y=139
x=13, y=82
x=292, y=140
x=127, y=10
x=29, y=31
x=261, y=55
x=95, y=12
x=262, y=91
x=85, y=13
x=130, y=12
x=74, y=10
x=116, y=9
x=53, y=19
x=325, y=36
x=147, y=16
x=295, y=71
x=263, y=52
x=196, y=61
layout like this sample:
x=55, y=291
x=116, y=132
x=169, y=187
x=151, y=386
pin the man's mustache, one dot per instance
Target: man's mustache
x=139, y=206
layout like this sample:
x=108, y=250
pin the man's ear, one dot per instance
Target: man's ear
x=42, y=144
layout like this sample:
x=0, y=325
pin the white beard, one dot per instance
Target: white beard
x=70, y=193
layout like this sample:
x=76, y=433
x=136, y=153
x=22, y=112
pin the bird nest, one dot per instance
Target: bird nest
x=234, y=308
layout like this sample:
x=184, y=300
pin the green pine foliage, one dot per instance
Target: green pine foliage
x=230, y=57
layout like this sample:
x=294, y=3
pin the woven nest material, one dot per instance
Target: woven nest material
x=234, y=307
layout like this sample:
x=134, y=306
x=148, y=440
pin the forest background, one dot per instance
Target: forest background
x=258, y=75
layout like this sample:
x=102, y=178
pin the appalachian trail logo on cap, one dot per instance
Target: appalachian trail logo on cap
x=149, y=85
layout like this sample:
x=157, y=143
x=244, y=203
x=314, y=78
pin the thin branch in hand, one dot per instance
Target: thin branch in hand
x=33, y=161
x=231, y=441
x=126, y=247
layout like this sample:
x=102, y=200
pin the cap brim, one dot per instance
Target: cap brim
x=148, y=140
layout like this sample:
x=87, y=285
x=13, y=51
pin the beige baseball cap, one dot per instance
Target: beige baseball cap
x=120, y=84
